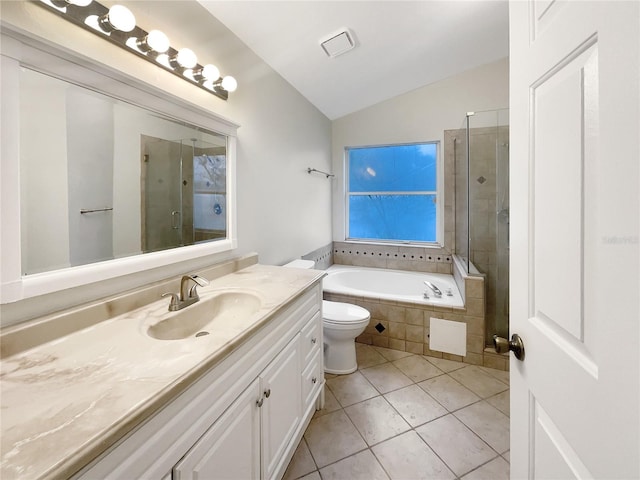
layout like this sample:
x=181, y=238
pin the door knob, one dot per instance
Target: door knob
x=515, y=345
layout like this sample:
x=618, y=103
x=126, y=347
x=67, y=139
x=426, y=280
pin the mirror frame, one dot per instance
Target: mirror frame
x=19, y=50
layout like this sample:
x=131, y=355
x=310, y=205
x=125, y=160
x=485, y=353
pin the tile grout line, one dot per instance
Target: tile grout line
x=411, y=427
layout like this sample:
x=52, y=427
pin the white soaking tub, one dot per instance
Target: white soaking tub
x=392, y=285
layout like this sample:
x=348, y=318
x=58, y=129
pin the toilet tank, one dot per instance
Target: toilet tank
x=299, y=263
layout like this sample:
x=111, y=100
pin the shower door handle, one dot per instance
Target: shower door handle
x=175, y=220
x=516, y=345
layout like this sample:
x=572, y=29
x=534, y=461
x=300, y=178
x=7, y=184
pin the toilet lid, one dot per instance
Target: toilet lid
x=338, y=312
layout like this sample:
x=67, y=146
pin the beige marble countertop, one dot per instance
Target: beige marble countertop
x=67, y=401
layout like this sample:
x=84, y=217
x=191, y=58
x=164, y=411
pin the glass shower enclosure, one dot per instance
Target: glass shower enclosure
x=184, y=185
x=482, y=209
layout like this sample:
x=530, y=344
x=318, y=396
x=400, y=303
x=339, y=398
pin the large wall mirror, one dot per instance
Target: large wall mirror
x=103, y=179
x=111, y=180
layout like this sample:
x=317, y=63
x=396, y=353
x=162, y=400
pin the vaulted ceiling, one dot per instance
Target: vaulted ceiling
x=399, y=45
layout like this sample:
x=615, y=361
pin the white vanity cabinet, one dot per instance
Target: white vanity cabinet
x=231, y=447
x=244, y=418
x=258, y=425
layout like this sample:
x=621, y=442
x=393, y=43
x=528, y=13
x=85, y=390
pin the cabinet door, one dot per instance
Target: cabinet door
x=281, y=409
x=230, y=449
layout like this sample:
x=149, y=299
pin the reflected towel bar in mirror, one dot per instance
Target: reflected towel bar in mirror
x=93, y=210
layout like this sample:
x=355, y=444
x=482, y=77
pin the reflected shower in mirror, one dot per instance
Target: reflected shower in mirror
x=104, y=179
x=184, y=192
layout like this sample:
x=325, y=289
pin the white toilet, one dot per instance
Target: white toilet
x=341, y=324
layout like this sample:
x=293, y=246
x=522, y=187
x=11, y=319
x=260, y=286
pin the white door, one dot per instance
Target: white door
x=575, y=109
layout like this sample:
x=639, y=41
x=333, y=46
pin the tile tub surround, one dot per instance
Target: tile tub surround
x=413, y=259
x=403, y=416
x=323, y=257
x=66, y=401
x=406, y=325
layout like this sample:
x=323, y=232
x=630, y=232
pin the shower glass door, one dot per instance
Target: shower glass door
x=183, y=192
x=161, y=194
x=488, y=135
x=482, y=209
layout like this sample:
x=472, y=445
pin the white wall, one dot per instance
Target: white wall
x=282, y=211
x=90, y=169
x=421, y=115
x=43, y=180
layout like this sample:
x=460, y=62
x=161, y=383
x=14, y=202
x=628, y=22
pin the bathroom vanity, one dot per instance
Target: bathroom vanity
x=112, y=401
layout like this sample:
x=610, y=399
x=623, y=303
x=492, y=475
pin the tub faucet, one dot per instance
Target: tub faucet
x=188, y=295
x=436, y=291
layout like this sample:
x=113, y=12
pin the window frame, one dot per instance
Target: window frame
x=439, y=195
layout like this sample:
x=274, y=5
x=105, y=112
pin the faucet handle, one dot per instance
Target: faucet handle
x=174, y=304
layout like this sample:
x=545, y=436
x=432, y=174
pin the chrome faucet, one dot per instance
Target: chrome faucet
x=436, y=291
x=188, y=295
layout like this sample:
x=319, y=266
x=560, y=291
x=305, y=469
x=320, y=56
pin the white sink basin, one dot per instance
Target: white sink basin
x=199, y=319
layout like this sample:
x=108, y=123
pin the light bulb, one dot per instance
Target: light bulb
x=158, y=41
x=60, y=5
x=163, y=59
x=154, y=40
x=229, y=83
x=185, y=58
x=208, y=73
x=65, y=3
x=118, y=18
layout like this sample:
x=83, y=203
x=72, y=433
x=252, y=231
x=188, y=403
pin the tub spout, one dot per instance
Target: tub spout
x=436, y=291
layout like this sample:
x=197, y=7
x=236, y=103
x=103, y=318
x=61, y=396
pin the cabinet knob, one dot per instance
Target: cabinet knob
x=314, y=340
x=260, y=402
x=314, y=380
x=267, y=393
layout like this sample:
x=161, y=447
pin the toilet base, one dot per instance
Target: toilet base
x=340, y=372
x=340, y=357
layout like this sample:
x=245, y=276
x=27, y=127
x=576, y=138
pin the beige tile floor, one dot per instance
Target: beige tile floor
x=409, y=417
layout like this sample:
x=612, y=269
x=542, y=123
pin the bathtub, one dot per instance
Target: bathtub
x=391, y=285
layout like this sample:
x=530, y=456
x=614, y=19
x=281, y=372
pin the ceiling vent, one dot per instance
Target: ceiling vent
x=338, y=43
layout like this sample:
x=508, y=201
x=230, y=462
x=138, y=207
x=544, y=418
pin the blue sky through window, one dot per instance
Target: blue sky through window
x=392, y=192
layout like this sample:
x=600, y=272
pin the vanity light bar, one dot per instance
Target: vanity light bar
x=118, y=25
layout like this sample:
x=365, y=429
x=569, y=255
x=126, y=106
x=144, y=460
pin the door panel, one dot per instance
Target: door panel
x=555, y=458
x=281, y=411
x=575, y=109
x=230, y=449
x=558, y=165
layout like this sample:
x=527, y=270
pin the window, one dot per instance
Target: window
x=392, y=193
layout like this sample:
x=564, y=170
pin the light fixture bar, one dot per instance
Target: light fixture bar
x=153, y=46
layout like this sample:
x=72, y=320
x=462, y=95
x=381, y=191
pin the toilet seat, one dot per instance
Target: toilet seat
x=338, y=313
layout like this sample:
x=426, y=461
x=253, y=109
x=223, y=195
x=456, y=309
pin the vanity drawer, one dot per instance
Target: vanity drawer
x=311, y=338
x=312, y=378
